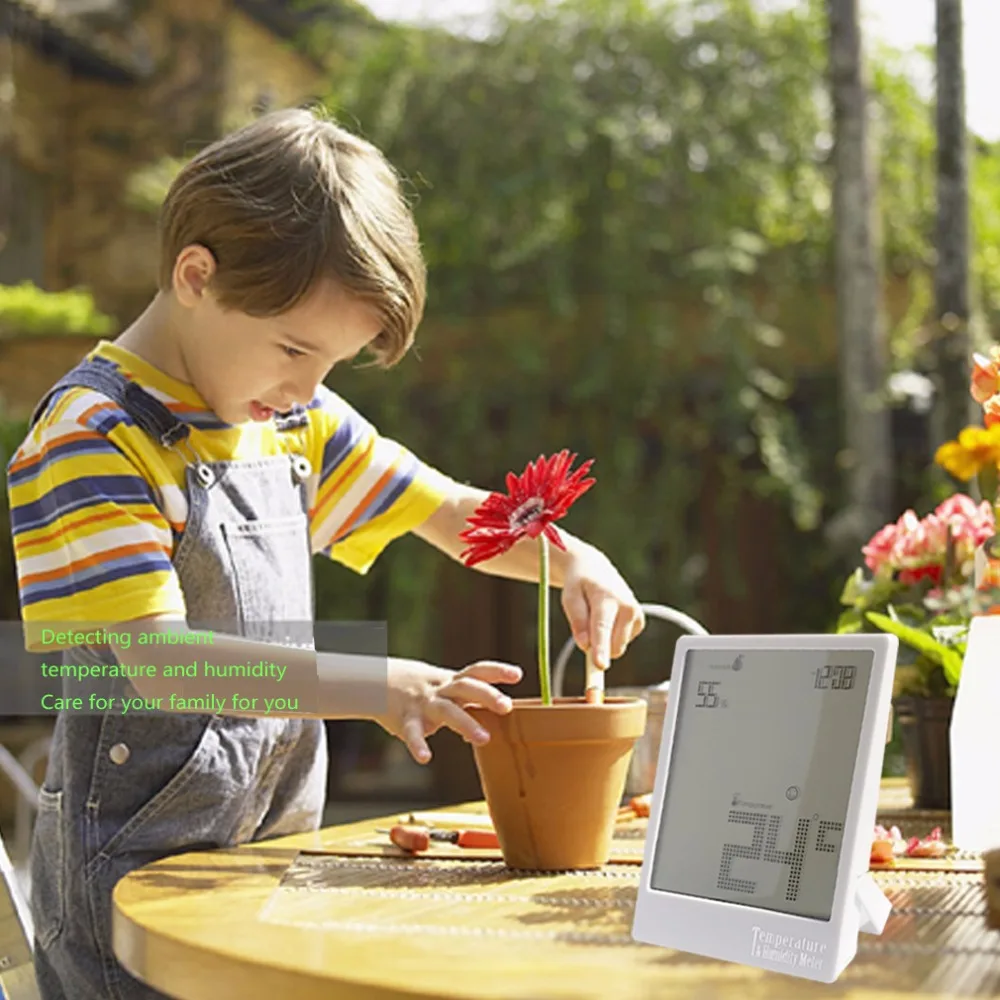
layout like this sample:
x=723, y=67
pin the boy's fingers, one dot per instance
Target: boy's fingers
x=638, y=625
x=602, y=621
x=460, y=721
x=627, y=627
x=413, y=737
x=471, y=691
x=492, y=671
x=575, y=608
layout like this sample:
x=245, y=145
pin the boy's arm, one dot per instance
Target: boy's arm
x=303, y=683
x=602, y=611
x=368, y=489
x=371, y=490
x=409, y=699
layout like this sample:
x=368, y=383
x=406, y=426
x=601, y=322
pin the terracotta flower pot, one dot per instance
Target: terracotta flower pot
x=553, y=777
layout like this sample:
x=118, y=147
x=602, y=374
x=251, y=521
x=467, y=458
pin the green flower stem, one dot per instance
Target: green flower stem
x=543, y=620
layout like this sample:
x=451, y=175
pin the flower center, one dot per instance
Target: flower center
x=529, y=511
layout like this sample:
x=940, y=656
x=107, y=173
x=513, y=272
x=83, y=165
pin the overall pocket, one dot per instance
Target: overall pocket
x=48, y=868
x=270, y=562
x=143, y=800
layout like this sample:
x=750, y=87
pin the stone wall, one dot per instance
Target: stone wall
x=41, y=88
x=38, y=146
x=87, y=137
x=260, y=65
x=104, y=244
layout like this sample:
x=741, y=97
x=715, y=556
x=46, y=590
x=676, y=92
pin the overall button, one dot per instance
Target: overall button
x=204, y=474
x=119, y=753
x=301, y=468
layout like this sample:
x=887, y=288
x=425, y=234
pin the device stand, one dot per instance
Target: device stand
x=873, y=905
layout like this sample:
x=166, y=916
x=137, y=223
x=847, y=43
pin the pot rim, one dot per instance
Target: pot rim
x=572, y=702
x=653, y=693
x=568, y=720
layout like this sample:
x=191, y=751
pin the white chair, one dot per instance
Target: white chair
x=17, y=932
x=660, y=611
x=646, y=754
x=17, y=970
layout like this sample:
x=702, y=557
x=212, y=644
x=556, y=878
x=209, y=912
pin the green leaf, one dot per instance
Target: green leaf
x=854, y=587
x=944, y=656
x=849, y=623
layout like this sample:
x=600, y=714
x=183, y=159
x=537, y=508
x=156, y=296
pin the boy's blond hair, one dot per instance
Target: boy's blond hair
x=288, y=200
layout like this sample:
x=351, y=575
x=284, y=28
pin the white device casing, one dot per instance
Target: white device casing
x=726, y=930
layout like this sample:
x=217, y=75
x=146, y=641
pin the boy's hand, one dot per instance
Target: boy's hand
x=602, y=611
x=423, y=698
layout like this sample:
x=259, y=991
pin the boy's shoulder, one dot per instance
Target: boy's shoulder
x=72, y=416
x=87, y=408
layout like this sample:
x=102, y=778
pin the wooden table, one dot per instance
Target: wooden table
x=284, y=919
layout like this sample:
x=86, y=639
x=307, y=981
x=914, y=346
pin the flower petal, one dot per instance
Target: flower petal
x=548, y=489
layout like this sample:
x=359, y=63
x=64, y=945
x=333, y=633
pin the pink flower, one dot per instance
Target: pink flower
x=916, y=548
x=879, y=550
x=985, y=375
x=931, y=846
x=919, y=543
x=957, y=506
x=971, y=523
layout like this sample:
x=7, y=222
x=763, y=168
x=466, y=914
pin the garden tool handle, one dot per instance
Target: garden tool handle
x=410, y=838
x=418, y=838
x=661, y=611
x=469, y=838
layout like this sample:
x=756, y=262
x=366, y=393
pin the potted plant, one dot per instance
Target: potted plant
x=931, y=577
x=554, y=769
x=918, y=583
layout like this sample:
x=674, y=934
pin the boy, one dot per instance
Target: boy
x=186, y=473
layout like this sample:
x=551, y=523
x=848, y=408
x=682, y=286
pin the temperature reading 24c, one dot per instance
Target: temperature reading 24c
x=837, y=677
x=765, y=848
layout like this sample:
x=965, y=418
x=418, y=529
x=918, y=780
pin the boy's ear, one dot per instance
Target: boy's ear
x=193, y=270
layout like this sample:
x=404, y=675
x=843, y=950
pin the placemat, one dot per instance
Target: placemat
x=627, y=848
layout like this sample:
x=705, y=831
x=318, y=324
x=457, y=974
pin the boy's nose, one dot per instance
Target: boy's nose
x=296, y=394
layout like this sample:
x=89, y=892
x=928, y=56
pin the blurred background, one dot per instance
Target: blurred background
x=738, y=252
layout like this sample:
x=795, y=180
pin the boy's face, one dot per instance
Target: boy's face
x=247, y=368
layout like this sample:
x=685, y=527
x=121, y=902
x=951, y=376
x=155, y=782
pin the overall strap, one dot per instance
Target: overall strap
x=147, y=411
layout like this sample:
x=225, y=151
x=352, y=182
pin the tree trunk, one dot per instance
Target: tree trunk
x=868, y=453
x=951, y=276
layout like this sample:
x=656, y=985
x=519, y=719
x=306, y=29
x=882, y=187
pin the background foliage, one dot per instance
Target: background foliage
x=28, y=309
x=626, y=209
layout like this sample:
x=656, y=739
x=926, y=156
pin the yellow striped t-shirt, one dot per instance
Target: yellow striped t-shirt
x=97, y=507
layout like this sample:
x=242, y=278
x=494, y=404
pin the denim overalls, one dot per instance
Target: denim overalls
x=121, y=791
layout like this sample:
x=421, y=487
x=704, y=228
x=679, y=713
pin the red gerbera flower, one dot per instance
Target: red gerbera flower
x=543, y=493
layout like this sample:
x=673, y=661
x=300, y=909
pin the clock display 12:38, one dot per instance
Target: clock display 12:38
x=835, y=677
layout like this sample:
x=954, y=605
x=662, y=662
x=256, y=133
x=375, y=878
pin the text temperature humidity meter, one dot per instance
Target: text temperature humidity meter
x=764, y=808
